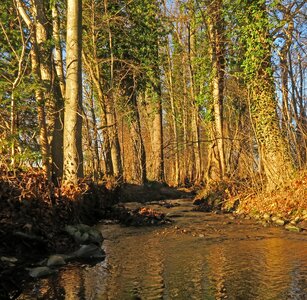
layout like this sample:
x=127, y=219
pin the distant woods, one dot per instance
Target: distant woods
x=178, y=91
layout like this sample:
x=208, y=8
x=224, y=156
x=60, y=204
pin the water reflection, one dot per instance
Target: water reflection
x=164, y=264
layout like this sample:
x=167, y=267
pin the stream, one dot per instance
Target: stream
x=199, y=256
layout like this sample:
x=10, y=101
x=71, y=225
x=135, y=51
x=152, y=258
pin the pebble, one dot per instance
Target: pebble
x=89, y=251
x=40, y=272
x=55, y=260
x=8, y=259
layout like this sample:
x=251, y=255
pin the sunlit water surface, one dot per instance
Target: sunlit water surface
x=200, y=256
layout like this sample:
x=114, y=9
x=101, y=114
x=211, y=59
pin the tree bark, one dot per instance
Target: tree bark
x=139, y=166
x=196, y=169
x=157, y=134
x=73, y=157
x=39, y=55
x=173, y=118
x=218, y=65
x=110, y=107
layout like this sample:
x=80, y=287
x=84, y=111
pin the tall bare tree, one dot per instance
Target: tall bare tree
x=73, y=157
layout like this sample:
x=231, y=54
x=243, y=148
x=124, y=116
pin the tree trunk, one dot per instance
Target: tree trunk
x=218, y=65
x=39, y=57
x=139, y=166
x=13, y=127
x=113, y=137
x=157, y=134
x=58, y=114
x=96, y=163
x=173, y=118
x=111, y=113
x=275, y=155
x=196, y=169
x=57, y=57
x=73, y=157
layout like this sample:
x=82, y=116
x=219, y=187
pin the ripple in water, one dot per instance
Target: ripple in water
x=163, y=263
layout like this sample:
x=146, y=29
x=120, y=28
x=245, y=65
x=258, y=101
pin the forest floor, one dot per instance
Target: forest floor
x=33, y=214
x=282, y=207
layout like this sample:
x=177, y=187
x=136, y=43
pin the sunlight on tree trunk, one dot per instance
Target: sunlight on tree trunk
x=73, y=157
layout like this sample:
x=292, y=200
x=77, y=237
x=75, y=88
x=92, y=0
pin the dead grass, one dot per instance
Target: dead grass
x=289, y=202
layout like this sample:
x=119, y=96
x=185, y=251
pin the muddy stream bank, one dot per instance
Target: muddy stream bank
x=199, y=256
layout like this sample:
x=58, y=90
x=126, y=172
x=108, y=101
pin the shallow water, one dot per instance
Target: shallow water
x=199, y=256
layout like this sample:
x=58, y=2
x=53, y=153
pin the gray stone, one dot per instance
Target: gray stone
x=8, y=259
x=40, y=272
x=55, y=260
x=84, y=234
x=293, y=228
x=83, y=227
x=30, y=237
x=77, y=236
x=84, y=237
x=89, y=251
x=95, y=236
x=71, y=230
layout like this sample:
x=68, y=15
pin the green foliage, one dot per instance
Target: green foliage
x=11, y=44
x=253, y=35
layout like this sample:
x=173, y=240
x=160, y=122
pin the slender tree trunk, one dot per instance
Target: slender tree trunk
x=56, y=144
x=13, y=128
x=97, y=168
x=186, y=157
x=108, y=163
x=196, y=170
x=173, y=118
x=95, y=76
x=298, y=112
x=113, y=137
x=53, y=96
x=57, y=139
x=57, y=57
x=302, y=120
x=73, y=157
x=139, y=167
x=110, y=107
x=218, y=65
x=157, y=134
x=39, y=56
x=39, y=95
